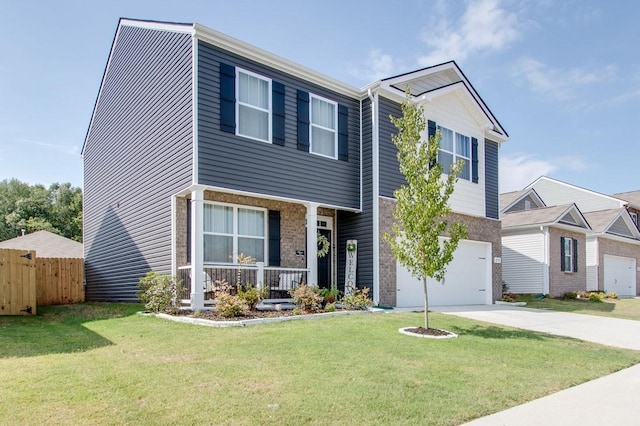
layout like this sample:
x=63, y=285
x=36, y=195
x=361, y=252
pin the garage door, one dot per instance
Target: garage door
x=620, y=275
x=467, y=282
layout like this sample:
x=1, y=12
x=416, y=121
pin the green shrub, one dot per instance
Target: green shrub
x=597, y=296
x=359, y=299
x=330, y=307
x=250, y=295
x=230, y=306
x=329, y=295
x=306, y=298
x=157, y=292
x=570, y=295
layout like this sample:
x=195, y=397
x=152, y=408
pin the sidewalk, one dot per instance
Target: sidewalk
x=609, y=400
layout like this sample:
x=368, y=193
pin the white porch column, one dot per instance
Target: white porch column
x=312, y=243
x=197, y=248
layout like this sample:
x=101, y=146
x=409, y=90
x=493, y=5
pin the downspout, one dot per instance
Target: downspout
x=375, y=154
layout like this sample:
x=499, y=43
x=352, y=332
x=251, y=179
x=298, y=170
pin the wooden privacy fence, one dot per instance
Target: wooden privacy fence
x=59, y=281
x=27, y=281
x=17, y=282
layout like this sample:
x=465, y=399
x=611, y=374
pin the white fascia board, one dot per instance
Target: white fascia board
x=531, y=192
x=249, y=51
x=620, y=238
x=420, y=73
x=559, y=225
x=160, y=26
x=191, y=188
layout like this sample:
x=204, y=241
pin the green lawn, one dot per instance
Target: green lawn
x=622, y=308
x=103, y=364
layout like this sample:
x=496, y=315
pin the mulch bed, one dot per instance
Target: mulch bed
x=429, y=331
x=214, y=316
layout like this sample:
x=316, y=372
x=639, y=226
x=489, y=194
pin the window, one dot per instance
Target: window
x=324, y=122
x=568, y=254
x=229, y=230
x=454, y=147
x=634, y=217
x=253, y=106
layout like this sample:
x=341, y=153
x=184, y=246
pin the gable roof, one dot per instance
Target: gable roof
x=566, y=215
x=430, y=82
x=613, y=221
x=508, y=199
x=555, y=192
x=46, y=244
x=632, y=197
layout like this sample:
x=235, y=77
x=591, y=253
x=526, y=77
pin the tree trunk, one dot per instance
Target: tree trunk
x=426, y=303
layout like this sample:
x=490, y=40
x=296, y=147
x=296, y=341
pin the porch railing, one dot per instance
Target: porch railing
x=277, y=281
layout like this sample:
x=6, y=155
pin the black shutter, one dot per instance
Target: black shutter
x=474, y=160
x=277, y=100
x=431, y=129
x=303, y=121
x=575, y=255
x=562, y=268
x=227, y=98
x=343, y=133
x=274, y=238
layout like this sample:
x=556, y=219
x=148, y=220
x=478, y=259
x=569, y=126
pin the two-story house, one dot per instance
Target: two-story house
x=202, y=147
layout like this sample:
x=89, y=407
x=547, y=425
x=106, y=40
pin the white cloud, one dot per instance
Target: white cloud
x=556, y=83
x=485, y=26
x=519, y=170
x=377, y=66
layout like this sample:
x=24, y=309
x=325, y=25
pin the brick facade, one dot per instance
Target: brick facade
x=561, y=282
x=292, y=226
x=617, y=248
x=478, y=229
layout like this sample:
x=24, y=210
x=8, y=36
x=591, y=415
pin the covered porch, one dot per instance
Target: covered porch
x=213, y=229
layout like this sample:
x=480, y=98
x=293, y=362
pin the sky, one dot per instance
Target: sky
x=562, y=77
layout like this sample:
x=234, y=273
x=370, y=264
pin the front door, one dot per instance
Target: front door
x=324, y=263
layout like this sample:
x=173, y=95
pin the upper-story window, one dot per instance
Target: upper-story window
x=323, y=127
x=254, y=106
x=453, y=147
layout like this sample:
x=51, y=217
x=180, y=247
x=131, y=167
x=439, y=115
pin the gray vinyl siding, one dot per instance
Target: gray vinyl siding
x=491, y=189
x=520, y=205
x=390, y=176
x=619, y=227
x=359, y=226
x=229, y=161
x=137, y=154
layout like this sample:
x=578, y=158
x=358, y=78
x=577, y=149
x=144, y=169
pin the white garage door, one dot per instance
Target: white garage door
x=467, y=282
x=620, y=275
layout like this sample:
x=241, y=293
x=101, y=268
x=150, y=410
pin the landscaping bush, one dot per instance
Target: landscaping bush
x=570, y=295
x=250, y=295
x=597, y=296
x=307, y=298
x=358, y=300
x=157, y=292
x=612, y=295
x=230, y=306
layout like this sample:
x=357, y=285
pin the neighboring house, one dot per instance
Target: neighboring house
x=633, y=204
x=611, y=240
x=201, y=147
x=46, y=244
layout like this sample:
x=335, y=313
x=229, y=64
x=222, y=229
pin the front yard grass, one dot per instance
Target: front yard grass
x=103, y=364
x=622, y=308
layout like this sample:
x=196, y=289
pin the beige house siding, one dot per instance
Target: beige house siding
x=292, y=226
x=561, y=282
x=617, y=248
x=478, y=228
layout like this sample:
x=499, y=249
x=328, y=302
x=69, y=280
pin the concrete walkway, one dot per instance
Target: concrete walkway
x=609, y=400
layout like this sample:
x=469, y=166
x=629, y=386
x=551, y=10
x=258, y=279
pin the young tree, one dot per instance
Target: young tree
x=422, y=202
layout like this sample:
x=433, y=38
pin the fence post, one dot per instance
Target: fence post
x=260, y=275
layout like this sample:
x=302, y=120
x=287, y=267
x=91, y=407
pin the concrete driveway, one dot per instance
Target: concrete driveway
x=609, y=400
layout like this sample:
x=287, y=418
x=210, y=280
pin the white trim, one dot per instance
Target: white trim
x=197, y=248
x=312, y=243
x=361, y=173
x=194, y=110
x=174, y=236
x=455, y=154
x=312, y=125
x=191, y=188
x=156, y=25
x=269, y=111
x=547, y=260
x=375, y=196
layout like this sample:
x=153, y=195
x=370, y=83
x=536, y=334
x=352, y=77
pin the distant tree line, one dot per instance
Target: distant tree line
x=32, y=208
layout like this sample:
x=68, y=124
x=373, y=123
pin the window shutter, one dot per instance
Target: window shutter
x=575, y=255
x=274, y=238
x=474, y=160
x=431, y=131
x=562, y=268
x=303, y=121
x=343, y=133
x=277, y=99
x=227, y=98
